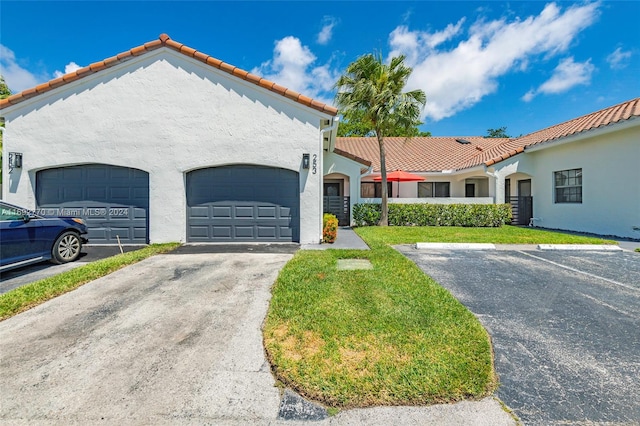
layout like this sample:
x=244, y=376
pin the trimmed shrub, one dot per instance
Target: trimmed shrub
x=469, y=215
x=366, y=214
x=329, y=228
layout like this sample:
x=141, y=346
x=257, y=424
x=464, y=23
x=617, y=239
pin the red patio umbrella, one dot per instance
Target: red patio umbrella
x=400, y=176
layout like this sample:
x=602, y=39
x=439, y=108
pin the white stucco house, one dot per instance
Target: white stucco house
x=165, y=143
x=581, y=175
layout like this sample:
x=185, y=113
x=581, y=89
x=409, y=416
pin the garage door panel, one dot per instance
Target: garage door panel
x=95, y=173
x=244, y=232
x=220, y=232
x=200, y=212
x=120, y=193
x=241, y=212
x=267, y=211
x=97, y=234
x=112, y=200
x=286, y=232
x=122, y=233
x=139, y=213
x=222, y=212
x=248, y=203
x=267, y=232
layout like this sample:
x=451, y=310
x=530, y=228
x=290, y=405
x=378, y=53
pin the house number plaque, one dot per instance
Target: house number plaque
x=314, y=164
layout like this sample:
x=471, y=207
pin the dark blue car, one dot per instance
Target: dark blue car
x=26, y=237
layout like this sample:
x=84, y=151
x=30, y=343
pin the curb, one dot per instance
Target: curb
x=455, y=246
x=579, y=247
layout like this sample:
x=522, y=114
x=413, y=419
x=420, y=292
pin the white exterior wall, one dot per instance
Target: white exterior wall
x=609, y=159
x=167, y=115
x=610, y=184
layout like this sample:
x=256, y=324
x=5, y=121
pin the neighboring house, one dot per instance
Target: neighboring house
x=164, y=143
x=581, y=175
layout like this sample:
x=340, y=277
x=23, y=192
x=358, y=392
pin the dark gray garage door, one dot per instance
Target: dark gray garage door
x=243, y=203
x=114, y=201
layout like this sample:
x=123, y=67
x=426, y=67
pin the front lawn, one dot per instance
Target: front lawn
x=386, y=336
x=452, y=234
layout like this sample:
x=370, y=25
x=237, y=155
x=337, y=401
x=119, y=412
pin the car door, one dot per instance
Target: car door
x=22, y=238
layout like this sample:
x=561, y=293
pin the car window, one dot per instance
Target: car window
x=13, y=213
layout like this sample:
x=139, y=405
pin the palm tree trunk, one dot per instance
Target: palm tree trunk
x=384, y=216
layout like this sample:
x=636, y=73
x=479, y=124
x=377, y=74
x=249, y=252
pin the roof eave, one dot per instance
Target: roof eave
x=585, y=134
x=165, y=41
x=352, y=157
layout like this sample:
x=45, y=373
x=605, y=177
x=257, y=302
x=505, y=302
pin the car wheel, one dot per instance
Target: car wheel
x=67, y=248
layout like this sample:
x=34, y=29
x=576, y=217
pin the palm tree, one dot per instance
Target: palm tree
x=374, y=89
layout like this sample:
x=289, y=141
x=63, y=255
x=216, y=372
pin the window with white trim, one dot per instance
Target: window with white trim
x=567, y=186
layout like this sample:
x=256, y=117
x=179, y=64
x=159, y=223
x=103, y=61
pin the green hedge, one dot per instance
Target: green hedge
x=473, y=215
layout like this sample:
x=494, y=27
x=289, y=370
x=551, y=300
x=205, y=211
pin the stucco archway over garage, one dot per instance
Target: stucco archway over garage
x=243, y=203
x=113, y=200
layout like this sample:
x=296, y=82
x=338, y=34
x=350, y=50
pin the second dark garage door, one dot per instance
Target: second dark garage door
x=243, y=203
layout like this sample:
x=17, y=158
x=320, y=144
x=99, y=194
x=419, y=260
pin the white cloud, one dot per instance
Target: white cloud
x=292, y=67
x=70, y=67
x=420, y=43
x=16, y=77
x=458, y=78
x=527, y=97
x=19, y=78
x=325, y=34
x=618, y=59
x=567, y=75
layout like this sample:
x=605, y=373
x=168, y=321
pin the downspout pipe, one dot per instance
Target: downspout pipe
x=331, y=128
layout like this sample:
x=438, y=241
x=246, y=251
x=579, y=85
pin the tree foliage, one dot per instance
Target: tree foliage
x=373, y=91
x=500, y=132
x=4, y=89
x=352, y=125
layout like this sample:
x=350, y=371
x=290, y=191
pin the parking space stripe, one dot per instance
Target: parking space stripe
x=582, y=272
x=606, y=305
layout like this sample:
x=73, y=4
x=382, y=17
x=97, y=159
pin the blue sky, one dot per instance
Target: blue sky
x=521, y=64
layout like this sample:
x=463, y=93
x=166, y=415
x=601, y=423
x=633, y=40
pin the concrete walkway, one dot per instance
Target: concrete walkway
x=346, y=239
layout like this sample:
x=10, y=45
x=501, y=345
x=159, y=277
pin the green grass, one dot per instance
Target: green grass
x=385, y=336
x=33, y=294
x=452, y=234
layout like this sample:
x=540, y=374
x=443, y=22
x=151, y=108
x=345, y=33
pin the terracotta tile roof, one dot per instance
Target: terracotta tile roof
x=352, y=157
x=422, y=154
x=433, y=154
x=595, y=120
x=165, y=41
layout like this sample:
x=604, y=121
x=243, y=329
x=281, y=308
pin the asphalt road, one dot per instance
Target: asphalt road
x=565, y=328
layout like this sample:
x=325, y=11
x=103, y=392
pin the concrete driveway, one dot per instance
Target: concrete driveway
x=565, y=328
x=174, y=339
x=162, y=341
